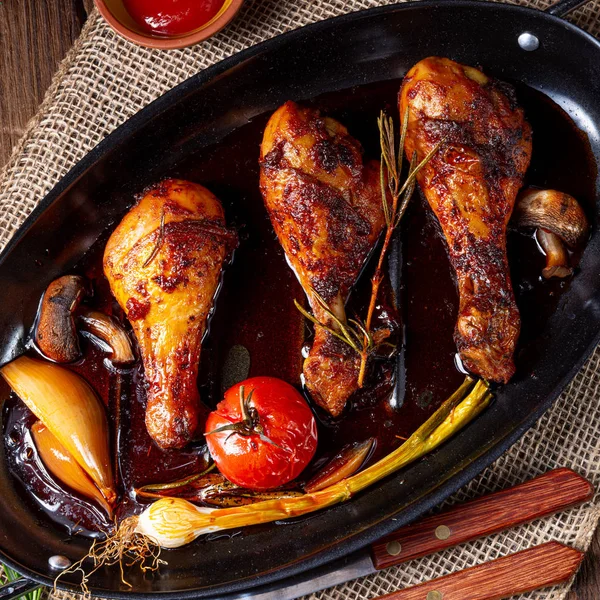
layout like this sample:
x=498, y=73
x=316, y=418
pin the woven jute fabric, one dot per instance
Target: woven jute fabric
x=105, y=79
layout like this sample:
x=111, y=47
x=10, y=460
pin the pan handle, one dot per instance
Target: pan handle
x=18, y=588
x=564, y=7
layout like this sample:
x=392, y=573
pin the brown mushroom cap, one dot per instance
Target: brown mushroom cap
x=553, y=211
x=56, y=334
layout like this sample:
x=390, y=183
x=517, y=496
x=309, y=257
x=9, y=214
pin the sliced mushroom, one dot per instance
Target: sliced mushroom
x=559, y=220
x=110, y=332
x=56, y=335
x=56, y=331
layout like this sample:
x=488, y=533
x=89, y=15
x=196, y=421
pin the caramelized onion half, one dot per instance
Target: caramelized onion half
x=66, y=404
x=64, y=467
x=344, y=464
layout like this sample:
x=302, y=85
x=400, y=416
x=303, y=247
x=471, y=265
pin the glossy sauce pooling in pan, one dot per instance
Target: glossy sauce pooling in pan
x=255, y=307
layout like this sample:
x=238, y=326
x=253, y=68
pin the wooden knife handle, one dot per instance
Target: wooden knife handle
x=538, y=567
x=539, y=497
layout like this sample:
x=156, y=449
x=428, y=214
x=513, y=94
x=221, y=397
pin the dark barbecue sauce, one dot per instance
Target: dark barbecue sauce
x=254, y=309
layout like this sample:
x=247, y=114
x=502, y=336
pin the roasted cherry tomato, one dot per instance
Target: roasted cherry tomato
x=262, y=434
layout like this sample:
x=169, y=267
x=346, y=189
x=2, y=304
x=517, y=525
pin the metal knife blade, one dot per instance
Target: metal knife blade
x=539, y=497
x=346, y=569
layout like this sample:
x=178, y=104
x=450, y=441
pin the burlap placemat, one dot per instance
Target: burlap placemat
x=104, y=80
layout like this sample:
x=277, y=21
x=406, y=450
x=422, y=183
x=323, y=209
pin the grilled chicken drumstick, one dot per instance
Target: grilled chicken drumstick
x=471, y=184
x=325, y=206
x=163, y=263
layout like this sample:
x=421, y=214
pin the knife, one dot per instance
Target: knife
x=543, y=565
x=542, y=496
x=538, y=567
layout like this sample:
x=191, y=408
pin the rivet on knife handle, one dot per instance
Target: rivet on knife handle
x=539, y=497
x=538, y=567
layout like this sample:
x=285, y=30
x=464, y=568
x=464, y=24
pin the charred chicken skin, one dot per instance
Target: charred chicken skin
x=471, y=184
x=163, y=263
x=325, y=206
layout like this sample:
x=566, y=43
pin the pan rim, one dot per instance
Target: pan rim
x=147, y=113
x=137, y=122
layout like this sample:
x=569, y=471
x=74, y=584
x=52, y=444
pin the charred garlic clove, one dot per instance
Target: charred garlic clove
x=559, y=221
x=108, y=330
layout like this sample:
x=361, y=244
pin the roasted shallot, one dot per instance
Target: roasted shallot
x=344, y=464
x=60, y=463
x=66, y=404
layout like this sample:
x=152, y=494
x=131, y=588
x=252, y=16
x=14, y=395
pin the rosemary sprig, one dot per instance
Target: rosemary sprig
x=395, y=195
x=400, y=193
x=351, y=333
x=7, y=575
x=159, y=240
x=158, y=487
x=229, y=236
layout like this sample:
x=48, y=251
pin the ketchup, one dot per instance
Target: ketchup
x=172, y=17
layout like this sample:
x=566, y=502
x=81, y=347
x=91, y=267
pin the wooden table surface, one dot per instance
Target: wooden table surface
x=34, y=37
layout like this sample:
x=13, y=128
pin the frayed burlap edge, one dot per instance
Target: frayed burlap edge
x=104, y=80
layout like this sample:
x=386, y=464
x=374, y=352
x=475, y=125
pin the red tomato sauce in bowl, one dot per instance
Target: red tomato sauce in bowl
x=172, y=17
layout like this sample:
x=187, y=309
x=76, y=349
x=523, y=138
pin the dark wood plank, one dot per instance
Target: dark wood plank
x=34, y=37
x=587, y=582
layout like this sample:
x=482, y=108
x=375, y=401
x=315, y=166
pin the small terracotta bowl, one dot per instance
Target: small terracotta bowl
x=118, y=18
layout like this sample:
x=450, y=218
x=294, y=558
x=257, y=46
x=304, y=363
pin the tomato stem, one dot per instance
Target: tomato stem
x=250, y=423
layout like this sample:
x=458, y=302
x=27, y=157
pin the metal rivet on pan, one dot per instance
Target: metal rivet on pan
x=529, y=42
x=393, y=548
x=59, y=562
x=435, y=595
x=442, y=532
